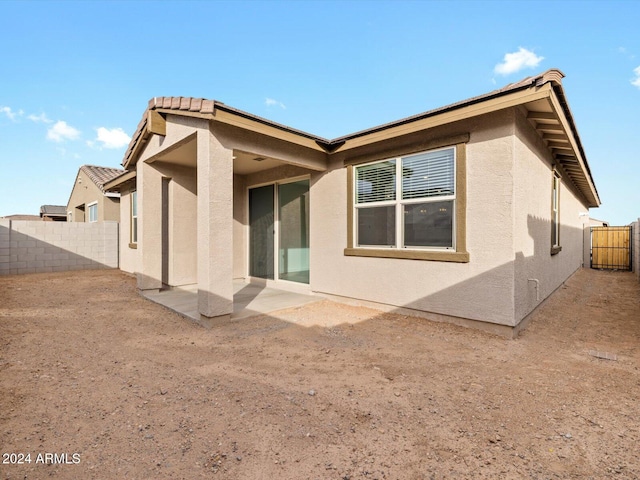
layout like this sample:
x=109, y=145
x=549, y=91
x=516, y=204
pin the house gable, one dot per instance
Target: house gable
x=89, y=189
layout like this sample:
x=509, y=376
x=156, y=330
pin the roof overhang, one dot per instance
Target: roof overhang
x=154, y=122
x=547, y=109
x=117, y=183
x=542, y=96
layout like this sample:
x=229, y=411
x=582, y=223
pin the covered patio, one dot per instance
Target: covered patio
x=224, y=201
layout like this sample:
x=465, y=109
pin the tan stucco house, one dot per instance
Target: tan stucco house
x=472, y=213
x=89, y=201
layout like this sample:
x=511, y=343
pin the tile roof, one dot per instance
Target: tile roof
x=20, y=216
x=206, y=109
x=53, y=210
x=101, y=175
x=537, y=80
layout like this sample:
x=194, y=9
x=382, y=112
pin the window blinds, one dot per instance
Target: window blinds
x=429, y=174
x=376, y=182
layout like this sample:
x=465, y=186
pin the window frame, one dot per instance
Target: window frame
x=93, y=204
x=456, y=253
x=133, y=219
x=556, y=182
x=399, y=203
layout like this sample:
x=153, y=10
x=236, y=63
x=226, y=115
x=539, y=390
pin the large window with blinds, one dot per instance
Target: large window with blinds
x=407, y=202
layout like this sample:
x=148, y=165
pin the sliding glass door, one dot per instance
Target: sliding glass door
x=279, y=231
x=261, y=231
x=293, y=244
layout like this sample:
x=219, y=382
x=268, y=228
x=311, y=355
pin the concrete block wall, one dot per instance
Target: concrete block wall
x=34, y=247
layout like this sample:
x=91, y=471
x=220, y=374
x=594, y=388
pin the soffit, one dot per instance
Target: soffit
x=553, y=123
x=245, y=163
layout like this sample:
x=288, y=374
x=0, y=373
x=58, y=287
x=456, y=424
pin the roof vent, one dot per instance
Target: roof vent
x=259, y=159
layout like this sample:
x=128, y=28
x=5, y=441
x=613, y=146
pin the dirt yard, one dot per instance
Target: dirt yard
x=127, y=389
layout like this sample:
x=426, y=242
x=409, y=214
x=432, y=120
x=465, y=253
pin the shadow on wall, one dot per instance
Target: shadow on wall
x=635, y=248
x=35, y=247
x=499, y=298
x=502, y=297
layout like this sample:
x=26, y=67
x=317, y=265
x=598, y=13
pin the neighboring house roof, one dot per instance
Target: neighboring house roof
x=53, y=211
x=20, y=216
x=542, y=94
x=101, y=175
x=98, y=175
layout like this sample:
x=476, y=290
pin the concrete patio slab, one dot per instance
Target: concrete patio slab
x=249, y=300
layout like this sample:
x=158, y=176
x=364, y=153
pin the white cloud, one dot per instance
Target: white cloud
x=11, y=115
x=636, y=81
x=39, y=118
x=516, y=61
x=111, y=138
x=624, y=51
x=270, y=102
x=60, y=132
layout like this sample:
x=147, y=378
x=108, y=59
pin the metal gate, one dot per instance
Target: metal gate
x=611, y=248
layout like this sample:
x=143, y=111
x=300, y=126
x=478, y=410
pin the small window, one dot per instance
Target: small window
x=93, y=212
x=555, y=213
x=134, y=217
x=69, y=216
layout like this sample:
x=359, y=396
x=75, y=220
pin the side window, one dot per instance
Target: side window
x=555, y=214
x=134, y=217
x=93, y=212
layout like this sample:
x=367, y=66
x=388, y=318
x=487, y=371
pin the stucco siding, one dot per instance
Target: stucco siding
x=84, y=193
x=181, y=218
x=479, y=290
x=149, y=226
x=240, y=222
x=537, y=272
x=178, y=128
x=110, y=210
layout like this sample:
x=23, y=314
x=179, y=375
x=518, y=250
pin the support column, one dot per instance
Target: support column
x=215, y=228
x=149, y=182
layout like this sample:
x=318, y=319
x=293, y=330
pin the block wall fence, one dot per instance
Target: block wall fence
x=34, y=247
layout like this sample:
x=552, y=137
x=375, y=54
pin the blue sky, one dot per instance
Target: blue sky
x=75, y=77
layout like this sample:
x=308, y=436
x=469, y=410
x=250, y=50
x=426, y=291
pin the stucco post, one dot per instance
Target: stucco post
x=150, y=227
x=215, y=227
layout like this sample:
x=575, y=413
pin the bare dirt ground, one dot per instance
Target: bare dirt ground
x=325, y=391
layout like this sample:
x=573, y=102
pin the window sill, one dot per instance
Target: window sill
x=456, y=257
x=555, y=250
x=133, y=245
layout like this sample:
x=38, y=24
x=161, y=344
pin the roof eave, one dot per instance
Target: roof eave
x=115, y=184
x=202, y=108
x=559, y=94
x=546, y=85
